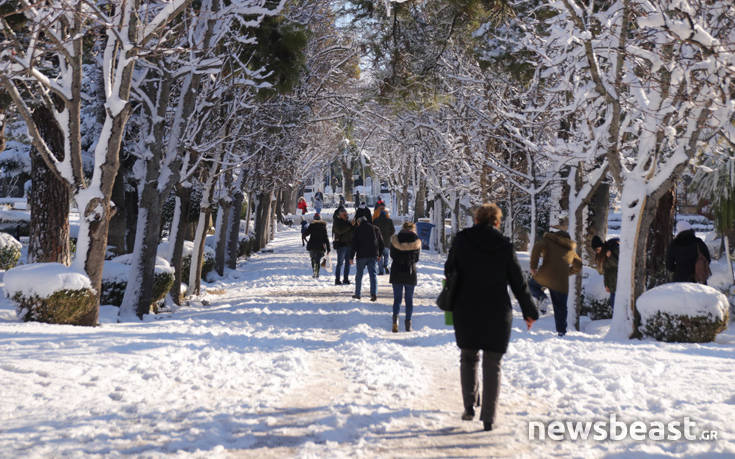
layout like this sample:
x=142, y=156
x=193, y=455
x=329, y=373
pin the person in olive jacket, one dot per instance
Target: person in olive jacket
x=606, y=257
x=405, y=248
x=485, y=264
x=342, y=230
x=560, y=261
x=387, y=230
x=318, y=243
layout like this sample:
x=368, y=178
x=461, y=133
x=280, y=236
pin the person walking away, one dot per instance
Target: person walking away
x=485, y=264
x=318, y=243
x=606, y=258
x=559, y=262
x=387, y=230
x=318, y=203
x=304, y=227
x=342, y=202
x=367, y=243
x=356, y=197
x=378, y=209
x=363, y=211
x=301, y=205
x=688, y=256
x=342, y=231
x=405, y=248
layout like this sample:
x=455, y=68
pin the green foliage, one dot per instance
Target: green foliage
x=9, y=252
x=683, y=329
x=114, y=290
x=65, y=307
x=280, y=49
x=715, y=182
x=596, y=308
x=207, y=267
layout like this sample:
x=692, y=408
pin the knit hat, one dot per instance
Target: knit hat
x=317, y=217
x=682, y=226
x=596, y=242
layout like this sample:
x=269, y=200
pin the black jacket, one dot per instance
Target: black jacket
x=318, y=239
x=367, y=241
x=682, y=255
x=387, y=228
x=360, y=212
x=342, y=231
x=405, y=248
x=486, y=264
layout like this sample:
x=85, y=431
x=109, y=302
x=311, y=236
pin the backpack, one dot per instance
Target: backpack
x=702, y=272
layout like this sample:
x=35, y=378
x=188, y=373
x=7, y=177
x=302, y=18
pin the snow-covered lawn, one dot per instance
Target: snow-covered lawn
x=273, y=363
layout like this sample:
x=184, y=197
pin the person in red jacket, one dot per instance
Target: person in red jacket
x=302, y=205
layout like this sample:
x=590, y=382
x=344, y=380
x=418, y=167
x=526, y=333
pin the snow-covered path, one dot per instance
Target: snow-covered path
x=278, y=364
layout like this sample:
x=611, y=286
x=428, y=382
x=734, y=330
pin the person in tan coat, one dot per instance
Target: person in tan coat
x=560, y=260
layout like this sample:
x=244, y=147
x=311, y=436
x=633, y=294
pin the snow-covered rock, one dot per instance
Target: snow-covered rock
x=683, y=312
x=49, y=292
x=10, y=249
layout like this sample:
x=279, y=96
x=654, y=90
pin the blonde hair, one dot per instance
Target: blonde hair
x=410, y=226
x=488, y=214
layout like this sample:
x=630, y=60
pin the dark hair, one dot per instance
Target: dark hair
x=596, y=242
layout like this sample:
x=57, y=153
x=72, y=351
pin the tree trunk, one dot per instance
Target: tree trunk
x=596, y=219
x=221, y=231
x=118, y=222
x=272, y=220
x=131, y=218
x=49, y=199
x=176, y=240
x=420, y=209
x=660, y=235
x=233, y=231
x=261, y=219
x=347, y=182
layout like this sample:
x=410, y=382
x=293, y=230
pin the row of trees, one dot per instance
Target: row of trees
x=134, y=106
x=547, y=107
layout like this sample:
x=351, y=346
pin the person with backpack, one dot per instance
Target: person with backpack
x=485, y=264
x=367, y=244
x=318, y=243
x=688, y=256
x=342, y=231
x=560, y=260
x=405, y=248
x=606, y=259
x=387, y=230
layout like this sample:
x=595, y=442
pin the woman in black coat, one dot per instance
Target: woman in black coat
x=318, y=243
x=405, y=248
x=485, y=264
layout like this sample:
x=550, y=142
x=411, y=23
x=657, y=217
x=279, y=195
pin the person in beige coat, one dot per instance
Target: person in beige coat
x=560, y=260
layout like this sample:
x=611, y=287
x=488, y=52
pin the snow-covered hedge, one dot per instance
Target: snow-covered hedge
x=245, y=247
x=165, y=249
x=49, y=292
x=115, y=280
x=595, y=300
x=683, y=312
x=9, y=251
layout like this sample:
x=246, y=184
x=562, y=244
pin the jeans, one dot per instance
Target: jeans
x=398, y=297
x=468, y=365
x=536, y=290
x=362, y=263
x=559, y=300
x=384, y=260
x=343, y=258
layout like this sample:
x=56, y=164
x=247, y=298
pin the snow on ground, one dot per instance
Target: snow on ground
x=272, y=363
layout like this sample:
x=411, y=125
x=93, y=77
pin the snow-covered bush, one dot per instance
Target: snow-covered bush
x=9, y=251
x=164, y=251
x=115, y=280
x=50, y=292
x=683, y=312
x=595, y=300
x=245, y=247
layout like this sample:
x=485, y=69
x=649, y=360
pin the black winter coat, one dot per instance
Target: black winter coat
x=486, y=264
x=682, y=255
x=405, y=248
x=318, y=239
x=387, y=228
x=367, y=241
x=363, y=212
x=342, y=231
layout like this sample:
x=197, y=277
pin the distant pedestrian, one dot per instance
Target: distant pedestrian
x=559, y=262
x=304, y=227
x=342, y=202
x=301, y=205
x=342, y=231
x=363, y=211
x=405, y=248
x=318, y=243
x=688, y=256
x=318, y=203
x=356, y=197
x=485, y=264
x=367, y=244
x=606, y=258
x=378, y=209
x=387, y=230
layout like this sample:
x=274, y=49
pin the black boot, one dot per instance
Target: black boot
x=337, y=282
x=346, y=281
x=487, y=426
x=395, y=324
x=408, y=325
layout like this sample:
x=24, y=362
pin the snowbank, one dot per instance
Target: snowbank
x=43, y=280
x=683, y=311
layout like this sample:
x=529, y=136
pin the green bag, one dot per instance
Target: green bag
x=448, y=318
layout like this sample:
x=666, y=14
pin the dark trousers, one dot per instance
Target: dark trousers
x=316, y=259
x=558, y=300
x=398, y=297
x=468, y=365
x=343, y=259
